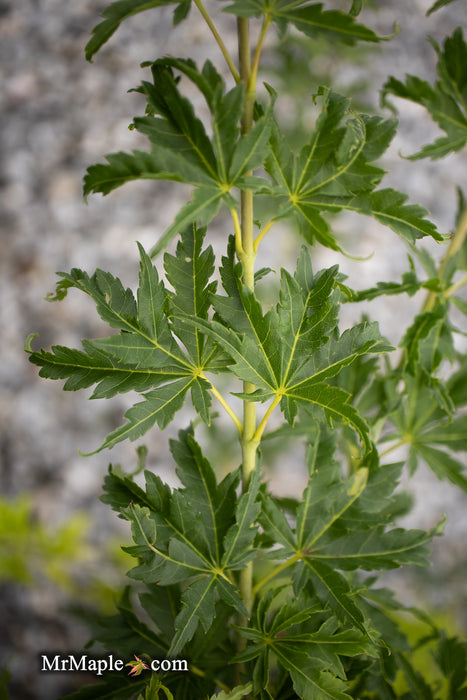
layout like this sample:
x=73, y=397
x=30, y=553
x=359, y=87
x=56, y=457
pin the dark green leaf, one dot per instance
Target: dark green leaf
x=238, y=542
x=159, y=406
x=202, y=207
x=189, y=272
x=198, y=607
x=442, y=464
x=310, y=19
x=333, y=589
x=114, y=15
x=438, y=5
x=377, y=549
x=309, y=682
x=334, y=171
x=446, y=101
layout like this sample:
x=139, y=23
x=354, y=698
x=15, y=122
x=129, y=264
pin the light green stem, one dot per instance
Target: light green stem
x=400, y=443
x=218, y=39
x=246, y=254
x=455, y=245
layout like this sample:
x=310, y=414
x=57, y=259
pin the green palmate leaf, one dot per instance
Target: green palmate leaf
x=181, y=149
x=287, y=352
x=335, y=171
x=342, y=524
x=334, y=590
x=180, y=535
x=212, y=502
x=309, y=682
x=377, y=549
x=431, y=435
x=295, y=630
x=176, y=127
x=145, y=355
x=310, y=19
x=114, y=15
x=442, y=464
x=446, y=101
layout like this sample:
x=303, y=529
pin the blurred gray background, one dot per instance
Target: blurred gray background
x=60, y=114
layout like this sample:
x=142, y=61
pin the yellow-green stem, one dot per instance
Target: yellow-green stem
x=218, y=39
x=454, y=247
x=455, y=287
x=259, y=47
x=276, y=571
x=246, y=254
x=396, y=445
x=225, y=405
x=262, y=234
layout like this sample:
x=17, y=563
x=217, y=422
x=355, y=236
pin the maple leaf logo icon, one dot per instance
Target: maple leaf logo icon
x=138, y=666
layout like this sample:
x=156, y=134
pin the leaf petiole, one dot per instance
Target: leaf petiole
x=455, y=245
x=262, y=234
x=218, y=39
x=276, y=571
x=215, y=392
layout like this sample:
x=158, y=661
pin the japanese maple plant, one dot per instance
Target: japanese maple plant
x=264, y=596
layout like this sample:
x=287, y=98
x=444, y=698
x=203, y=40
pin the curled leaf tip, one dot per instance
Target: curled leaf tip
x=89, y=454
x=28, y=341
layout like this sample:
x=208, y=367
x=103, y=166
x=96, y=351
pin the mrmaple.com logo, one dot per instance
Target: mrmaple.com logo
x=63, y=663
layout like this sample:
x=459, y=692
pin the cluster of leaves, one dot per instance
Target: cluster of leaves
x=191, y=541
x=334, y=171
x=446, y=101
x=288, y=353
x=313, y=625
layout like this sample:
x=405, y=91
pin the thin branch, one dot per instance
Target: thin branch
x=455, y=287
x=238, y=234
x=260, y=429
x=456, y=243
x=259, y=47
x=225, y=405
x=262, y=234
x=400, y=443
x=276, y=571
x=218, y=39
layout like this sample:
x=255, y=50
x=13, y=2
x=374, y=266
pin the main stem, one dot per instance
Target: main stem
x=247, y=256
